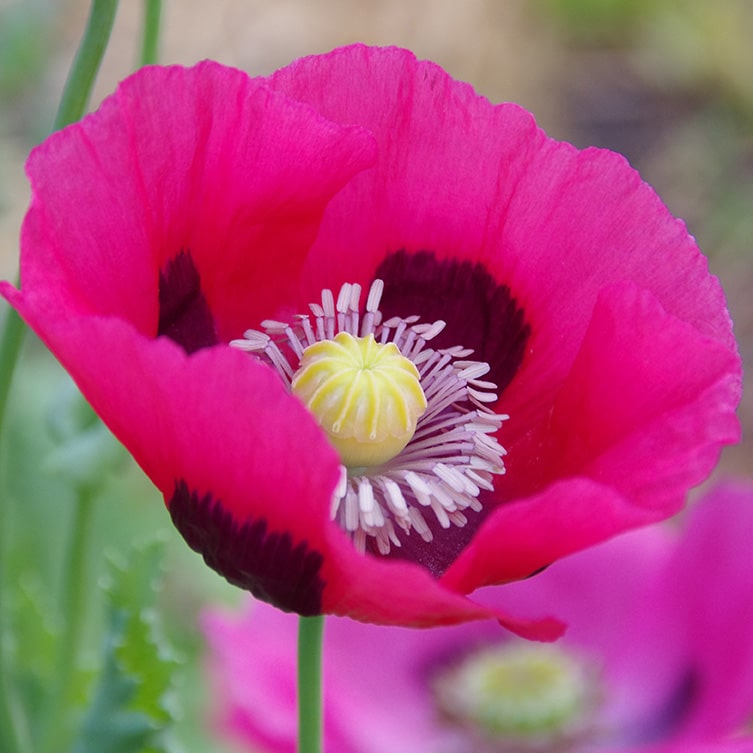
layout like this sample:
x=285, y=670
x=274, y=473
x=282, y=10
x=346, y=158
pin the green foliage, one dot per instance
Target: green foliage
x=133, y=703
x=113, y=683
x=30, y=634
x=85, y=452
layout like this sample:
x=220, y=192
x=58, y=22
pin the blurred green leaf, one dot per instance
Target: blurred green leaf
x=30, y=633
x=85, y=452
x=133, y=704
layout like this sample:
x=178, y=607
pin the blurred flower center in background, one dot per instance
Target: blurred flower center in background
x=411, y=423
x=520, y=696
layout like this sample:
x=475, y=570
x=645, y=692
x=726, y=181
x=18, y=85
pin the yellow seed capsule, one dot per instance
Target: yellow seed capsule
x=366, y=396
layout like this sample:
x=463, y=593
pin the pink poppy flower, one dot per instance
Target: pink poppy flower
x=198, y=204
x=658, y=657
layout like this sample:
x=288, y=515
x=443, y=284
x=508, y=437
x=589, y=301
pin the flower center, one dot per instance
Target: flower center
x=412, y=423
x=527, y=696
x=366, y=396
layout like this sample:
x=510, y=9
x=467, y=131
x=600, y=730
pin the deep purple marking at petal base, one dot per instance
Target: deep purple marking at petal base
x=269, y=565
x=480, y=312
x=184, y=314
x=439, y=553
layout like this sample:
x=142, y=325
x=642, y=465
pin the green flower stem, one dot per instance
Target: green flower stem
x=8, y=726
x=80, y=81
x=11, y=734
x=11, y=340
x=310, y=631
x=150, y=36
x=14, y=734
x=72, y=107
x=73, y=602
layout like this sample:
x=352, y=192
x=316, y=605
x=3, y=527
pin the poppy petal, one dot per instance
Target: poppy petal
x=520, y=538
x=648, y=403
x=434, y=184
x=201, y=160
x=391, y=592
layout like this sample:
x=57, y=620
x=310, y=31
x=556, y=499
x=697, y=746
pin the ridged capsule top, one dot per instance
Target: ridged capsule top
x=366, y=396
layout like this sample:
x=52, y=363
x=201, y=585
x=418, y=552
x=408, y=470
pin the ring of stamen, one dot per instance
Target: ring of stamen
x=453, y=454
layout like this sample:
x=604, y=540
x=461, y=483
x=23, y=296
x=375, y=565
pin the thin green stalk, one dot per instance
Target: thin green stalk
x=150, y=36
x=11, y=725
x=11, y=340
x=72, y=107
x=8, y=725
x=73, y=604
x=85, y=66
x=310, y=632
x=14, y=732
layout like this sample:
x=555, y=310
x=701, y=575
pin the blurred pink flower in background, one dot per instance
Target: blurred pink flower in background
x=658, y=657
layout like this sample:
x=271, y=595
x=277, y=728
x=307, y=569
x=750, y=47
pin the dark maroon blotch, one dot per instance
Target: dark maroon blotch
x=480, y=312
x=184, y=314
x=439, y=553
x=269, y=565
